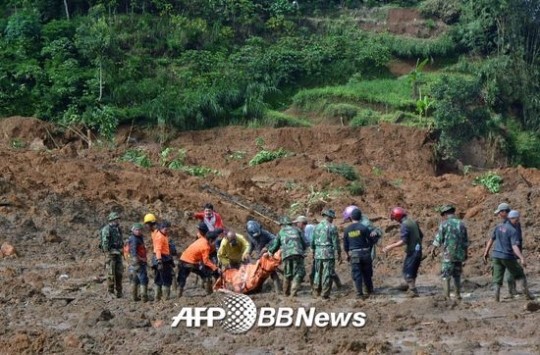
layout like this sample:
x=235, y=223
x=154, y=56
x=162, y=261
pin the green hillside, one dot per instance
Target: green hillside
x=474, y=68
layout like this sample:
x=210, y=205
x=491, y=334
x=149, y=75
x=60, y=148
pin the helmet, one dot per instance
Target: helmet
x=253, y=228
x=113, y=216
x=397, y=214
x=356, y=215
x=447, y=209
x=284, y=220
x=150, y=218
x=329, y=213
x=164, y=224
x=136, y=226
x=203, y=228
x=348, y=211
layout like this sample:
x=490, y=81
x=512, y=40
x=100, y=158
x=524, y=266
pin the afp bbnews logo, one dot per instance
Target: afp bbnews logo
x=237, y=314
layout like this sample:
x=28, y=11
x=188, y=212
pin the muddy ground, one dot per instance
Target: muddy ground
x=56, y=193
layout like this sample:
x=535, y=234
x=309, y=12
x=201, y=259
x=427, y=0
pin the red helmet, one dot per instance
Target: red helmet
x=397, y=214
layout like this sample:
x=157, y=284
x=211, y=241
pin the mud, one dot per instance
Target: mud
x=55, y=197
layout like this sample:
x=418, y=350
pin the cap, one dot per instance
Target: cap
x=513, y=214
x=502, y=207
x=300, y=219
x=329, y=213
x=447, y=208
x=284, y=220
x=136, y=226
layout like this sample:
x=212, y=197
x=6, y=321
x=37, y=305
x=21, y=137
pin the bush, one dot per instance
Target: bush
x=490, y=180
x=356, y=188
x=137, y=157
x=447, y=10
x=345, y=170
x=276, y=119
x=365, y=118
x=264, y=156
x=345, y=111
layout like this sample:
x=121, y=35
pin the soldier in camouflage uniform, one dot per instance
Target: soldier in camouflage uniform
x=325, y=246
x=293, y=247
x=452, y=237
x=112, y=244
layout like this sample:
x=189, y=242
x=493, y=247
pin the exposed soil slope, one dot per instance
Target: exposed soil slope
x=55, y=194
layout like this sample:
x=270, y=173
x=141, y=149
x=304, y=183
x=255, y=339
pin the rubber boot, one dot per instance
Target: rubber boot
x=525, y=288
x=180, y=292
x=446, y=287
x=497, y=293
x=512, y=291
x=118, y=282
x=144, y=293
x=294, y=288
x=287, y=287
x=412, y=292
x=166, y=293
x=135, y=292
x=157, y=296
x=457, y=285
x=337, y=281
x=277, y=286
x=208, y=286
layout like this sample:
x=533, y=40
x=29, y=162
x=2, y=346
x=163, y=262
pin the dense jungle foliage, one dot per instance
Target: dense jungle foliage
x=193, y=64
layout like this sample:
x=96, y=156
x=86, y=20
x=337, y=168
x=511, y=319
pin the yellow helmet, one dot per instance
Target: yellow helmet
x=150, y=218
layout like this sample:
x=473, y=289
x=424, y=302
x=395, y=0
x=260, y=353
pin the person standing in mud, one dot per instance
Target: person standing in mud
x=375, y=232
x=211, y=218
x=260, y=239
x=326, y=248
x=196, y=259
x=502, y=211
x=162, y=262
x=411, y=236
x=137, y=269
x=233, y=251
x=505, y=255
x=357, y=243
x=293, y=248
x=452, y=237
x=112, y=244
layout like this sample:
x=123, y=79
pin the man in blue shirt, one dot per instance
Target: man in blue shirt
x=505, y=255
x=357, y=244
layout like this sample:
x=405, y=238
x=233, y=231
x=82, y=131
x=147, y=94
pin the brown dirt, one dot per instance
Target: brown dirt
x=54, y=200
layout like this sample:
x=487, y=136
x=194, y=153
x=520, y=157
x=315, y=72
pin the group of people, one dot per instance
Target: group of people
x=216, y=249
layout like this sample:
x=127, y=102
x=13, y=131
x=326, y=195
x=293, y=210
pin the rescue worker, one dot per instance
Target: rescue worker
x=234, y=250
x=150, y=221
x=162, y=262
x=505, y=255
x=137, y=269
x=112, y=244
x=260, y=239
x=293, y=248
x=210, y=217
x=374, y=231
x=452, y=237
x=411, y=237
x=502, y=211
x=358, y=240
x=326, y=249
x=196, y=259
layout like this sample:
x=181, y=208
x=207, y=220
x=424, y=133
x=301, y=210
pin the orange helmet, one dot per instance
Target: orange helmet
x=397, y=214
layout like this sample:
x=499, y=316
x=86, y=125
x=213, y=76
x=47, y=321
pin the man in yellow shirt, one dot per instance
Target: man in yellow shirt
x=234, y=250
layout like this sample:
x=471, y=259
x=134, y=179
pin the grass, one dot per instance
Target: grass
x=345, y=170
x=264, y=156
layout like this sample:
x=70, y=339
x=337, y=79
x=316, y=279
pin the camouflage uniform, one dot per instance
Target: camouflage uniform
x=325, y=246
x=293, y=246
x=452, y=237
x=112, y=244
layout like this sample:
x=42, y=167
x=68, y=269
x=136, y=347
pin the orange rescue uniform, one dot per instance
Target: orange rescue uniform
x=199, y=252
x=161, y=245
